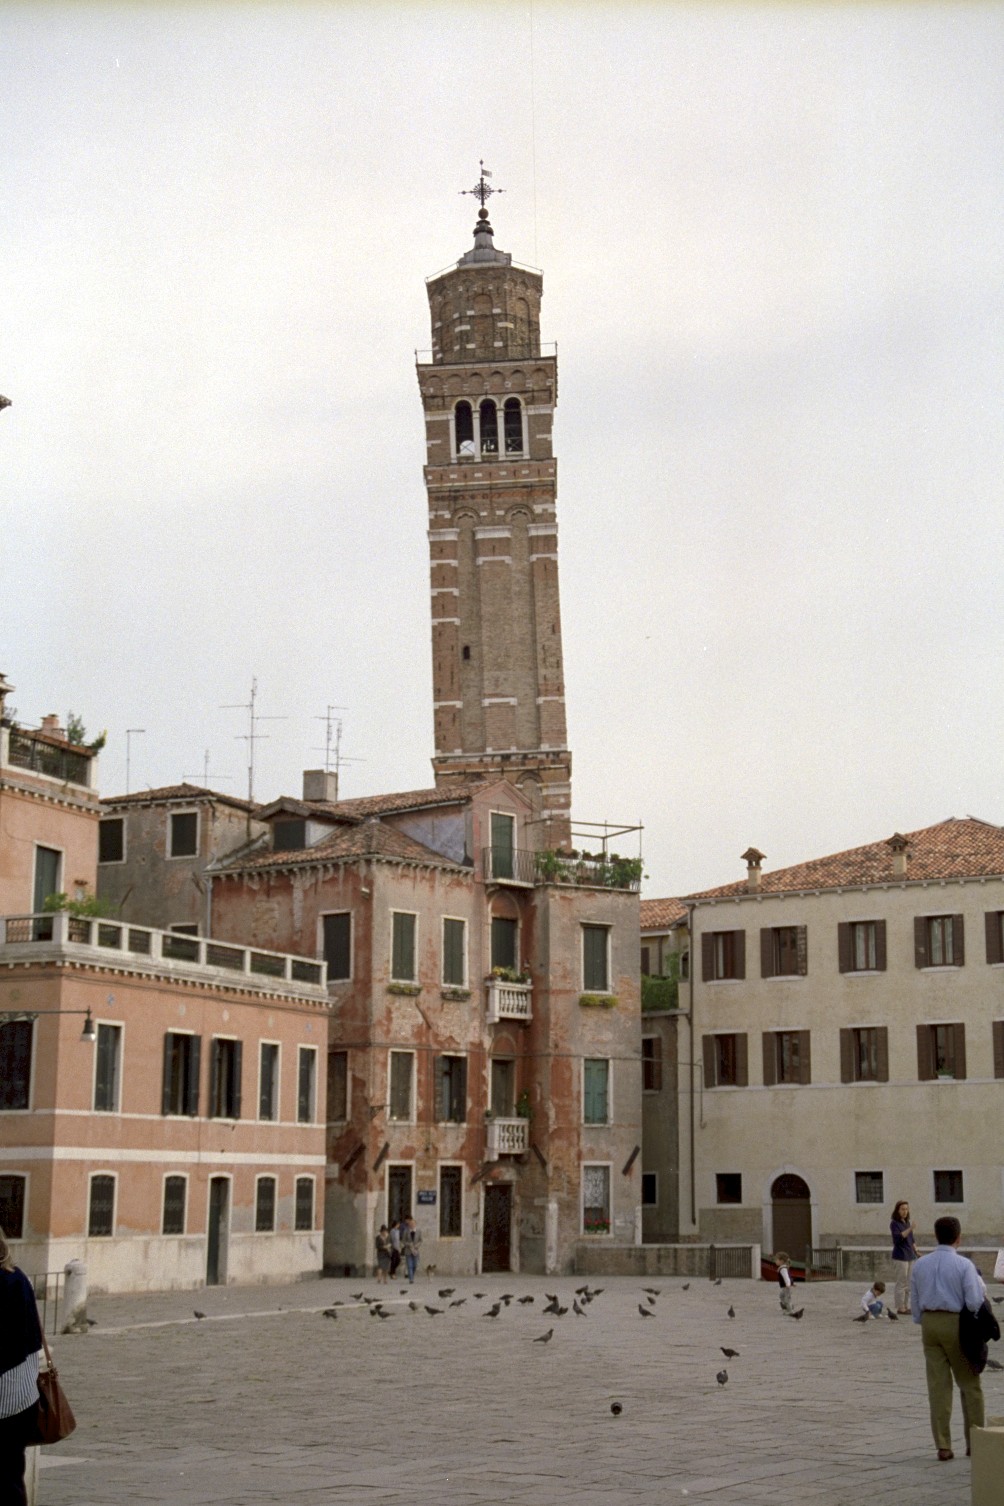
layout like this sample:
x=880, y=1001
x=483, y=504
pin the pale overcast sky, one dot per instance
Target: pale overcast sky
x=771, y=239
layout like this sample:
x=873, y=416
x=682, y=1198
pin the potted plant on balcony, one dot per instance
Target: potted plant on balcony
x=594, y=1225
x=523, y=1109
x=508, y=975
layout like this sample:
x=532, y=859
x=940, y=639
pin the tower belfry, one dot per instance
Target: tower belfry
x=489, y=394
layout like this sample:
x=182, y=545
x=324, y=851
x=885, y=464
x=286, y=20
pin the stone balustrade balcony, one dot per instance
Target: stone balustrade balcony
x=507, y=1137
x=508, y=1001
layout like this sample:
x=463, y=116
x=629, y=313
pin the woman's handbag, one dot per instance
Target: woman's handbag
x=54, y=1417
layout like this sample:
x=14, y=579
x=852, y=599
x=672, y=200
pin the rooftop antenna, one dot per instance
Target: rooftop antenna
x=131, y=732
x=252, y=735
x=333, y=741
x=206, y=776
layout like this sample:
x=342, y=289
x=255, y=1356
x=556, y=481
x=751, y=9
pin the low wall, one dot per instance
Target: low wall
x=874, y=1262
x=595, y=1259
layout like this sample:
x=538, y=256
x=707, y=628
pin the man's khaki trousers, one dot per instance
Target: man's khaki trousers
x=944, y=1359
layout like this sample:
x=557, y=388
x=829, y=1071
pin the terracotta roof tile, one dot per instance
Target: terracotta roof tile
x=657, y=914
x=169, y=792
x=961, y=847
x=371, y=838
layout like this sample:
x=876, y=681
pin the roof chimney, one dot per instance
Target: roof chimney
x=320, y=784
x=898, y=846
x=50, y=724
x=753, y=859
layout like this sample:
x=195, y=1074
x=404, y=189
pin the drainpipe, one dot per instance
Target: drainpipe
x=690, y=1020
x=209, y=903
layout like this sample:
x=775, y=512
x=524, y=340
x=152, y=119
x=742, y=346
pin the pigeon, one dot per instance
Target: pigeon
x=522, y=1300
x=545, y=1338
x=357, y=1296
x=551, y=1296
x=415, y=1306
x=434, y=1312
x=650, y=1301
x=458, y=1302
x=718, y=1281
x=199, y=1315
x=552, y=1306
x=506, y=1297
x=559, y=1312
x=479, y=1295
x=653, y=1291
x=863, y=1318
x=447, y=1291
x=721, y=1377
x=893, y=1317
x=732, y=1311
x=579, y=1312
x=685, y=1287
x=616, y=1408
x=999, y=1300
x=799, y=1314
x=403, y=1292
x=646, y=1312
x=598, y=1292
x=492, y=1312
x=381, y=1314
x=994, y=1365
x=730, y=1354
x=580, y=1291
x=329, y=1312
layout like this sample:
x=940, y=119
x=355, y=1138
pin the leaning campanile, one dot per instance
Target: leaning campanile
x=489, y=393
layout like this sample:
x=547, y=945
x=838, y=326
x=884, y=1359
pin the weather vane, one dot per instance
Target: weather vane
x=483, y=190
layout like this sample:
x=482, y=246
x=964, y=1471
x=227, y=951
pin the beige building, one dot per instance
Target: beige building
x=842, y=1044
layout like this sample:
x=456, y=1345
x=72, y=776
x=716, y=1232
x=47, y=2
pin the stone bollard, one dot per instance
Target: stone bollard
x=75, y=1298
x=31, y=1475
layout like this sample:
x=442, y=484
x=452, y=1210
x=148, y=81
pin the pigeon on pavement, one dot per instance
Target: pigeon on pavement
x=863, y=1318
x=732, y=1311
x=199, y=1315
x=545, y=1338
x=646, y=1312
x=730, y=1354
x=722, y=1377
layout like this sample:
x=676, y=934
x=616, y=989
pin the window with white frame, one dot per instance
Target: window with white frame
x=225, y=1078
x=402, y=1072
x=16, y=1039
x=402, y=949
x=268, y=1080
x=596, y=1090
x=101, y=1206
x=454, y=952
x=596, y=1199
x=175, y=1200
x=595, y=959
x=304, y=1210
x=264, y=1205
x=451, y=1193
x=107, y=1068
x=306, y=1085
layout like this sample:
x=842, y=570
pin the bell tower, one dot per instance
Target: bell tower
x=489, y=392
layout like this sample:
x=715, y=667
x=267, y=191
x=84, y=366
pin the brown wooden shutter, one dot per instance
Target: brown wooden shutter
x=165, y=1094
x=880, y=946
x=846, y=1052
x=194, y=1068
x=766, y=952
x=845, y=957
x=919, y=941
x=883, y=1051
x=707, y=956
x=958, y=940
x=214, y=1074
x=804, y=1057
x=740, y=953
x=925, y=1053
x=709, y=1061
x=802, y=950
x=959, y=1049
x=994, y=937
x=439, y=1110
x=236, y=1100
x=999, y=1048
x=769, y=1056
x=742, y=1061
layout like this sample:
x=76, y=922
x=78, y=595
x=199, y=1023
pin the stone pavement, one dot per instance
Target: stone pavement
x=268, y=1401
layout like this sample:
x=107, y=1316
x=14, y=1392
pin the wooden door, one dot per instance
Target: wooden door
x=497, y=1235
x=792, y=1216
x=216, y=1243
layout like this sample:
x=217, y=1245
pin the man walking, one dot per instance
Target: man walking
x=944, y=1282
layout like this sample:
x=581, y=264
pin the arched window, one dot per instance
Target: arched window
x=489, y=428
x=464, y=419
x=513, y=420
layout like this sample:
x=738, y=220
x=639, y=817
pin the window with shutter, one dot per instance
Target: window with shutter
x=451, y=1089
x=268, y=1081
x=15, y=1063
x=181, y=1073
x=595, y=1090
x=939, y=940
x=503, y=833
x=402, y=964
x=106, y=1068
x=595, y=965
x=723, y=955
x=306, y=1085
x=454, y=952
x=998, y=1037
x=994, y=920
x=225, y=1079
x=401, y=1071
x=451, y=1191
x=505, y=937
x=337, y=941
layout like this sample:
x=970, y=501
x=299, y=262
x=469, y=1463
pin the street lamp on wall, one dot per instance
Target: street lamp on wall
x=89, y=1033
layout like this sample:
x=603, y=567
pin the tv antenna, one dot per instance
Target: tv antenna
x=206, y=776
x=131, y=732
x=252, y=735
x=332, y=749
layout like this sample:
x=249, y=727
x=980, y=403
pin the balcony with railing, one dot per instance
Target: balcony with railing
x=508, y=1001
x=507, y=1137
x=38, y=754
x=526, y=869
x=42, y=937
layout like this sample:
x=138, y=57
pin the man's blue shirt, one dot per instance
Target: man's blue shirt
x=945, y=1281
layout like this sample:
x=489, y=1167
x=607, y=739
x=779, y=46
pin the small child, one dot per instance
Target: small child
x=872, y=1299
x=782, y=1261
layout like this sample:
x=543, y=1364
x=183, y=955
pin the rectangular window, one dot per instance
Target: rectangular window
x=451, y=1089
x=994, y=921
x=646, y=962
x=503, y=829
x=402, y=1068
x=398, y=1194
x=454, y=952
x=948, y=1187
x=402, y=958
x=941, y=1051
x=997, y=1029
x=651, y=1064
x=451, y=1191
x=304, y=1211
x=786, y=1057
x=264, y=1205
x=726, y=1060
x=175, y=1197
x=48, y=863
x=107, y=1066
x=338, y=1086
x=595, y=1090
x=181, y=1073
x=723, y=955
x=869, y=1187
x=864, y=1054
x=101, y=1207
x=505, y=937
x=861, y=946
x=289, y=835
x=306, y=1085
x=111, y=840
x=595, y=960
x=649, y=1189
x=337, y=941
x=268, y=1081
x=503, y=1087
x=225, y=1079
x=729, y=1187
x=784, y=952
x=12, y=1190
x=15, y=1064
x=596, y=1199
x=939, y=940
x=183, y=834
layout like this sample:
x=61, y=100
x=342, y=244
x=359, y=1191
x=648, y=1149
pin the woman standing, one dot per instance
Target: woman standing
x=383, y=1255
x=20, y=1341
x=904, y=1252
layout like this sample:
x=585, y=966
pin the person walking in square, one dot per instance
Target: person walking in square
x=396, y=1251
x=944, y=1282
x=383, y=1255
x=411, y=1241
x=782, y=1262
x=20, y=1341
x=904, y=1253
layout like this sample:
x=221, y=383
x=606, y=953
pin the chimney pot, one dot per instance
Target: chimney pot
x=320, y=784
x=753, y=858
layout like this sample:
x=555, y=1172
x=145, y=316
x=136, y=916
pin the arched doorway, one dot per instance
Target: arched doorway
x=791, y=1215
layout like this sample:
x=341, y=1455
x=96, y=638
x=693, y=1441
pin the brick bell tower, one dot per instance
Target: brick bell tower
x=489, y=394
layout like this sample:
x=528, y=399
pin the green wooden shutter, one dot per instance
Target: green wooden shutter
x=453, y=952
x=439, y=1089
x=998, y=1033
x=742, y=1061
x=710, y=1075
x=402, y=964
x=883, y=1051
x=846, y=1052
x=959, y=1047
x=595, y=1091
x=594, y=959
x=192, y=1084
x=804, y=1057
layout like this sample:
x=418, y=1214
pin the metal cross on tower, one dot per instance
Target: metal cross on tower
x=482, y=190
